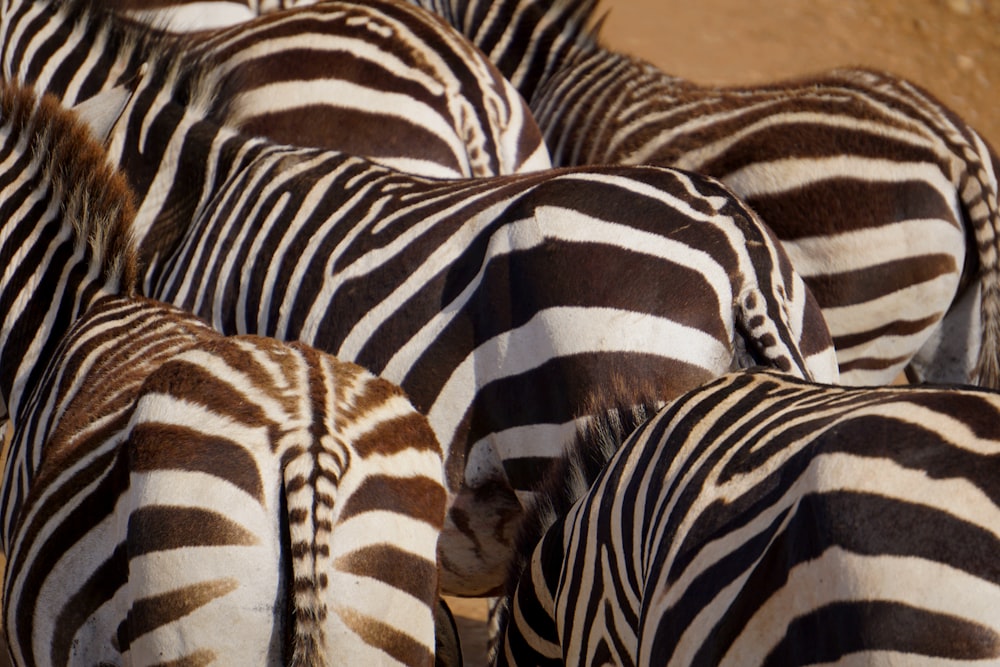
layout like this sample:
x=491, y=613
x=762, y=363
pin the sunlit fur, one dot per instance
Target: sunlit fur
x=497, y=304
x=381, y=79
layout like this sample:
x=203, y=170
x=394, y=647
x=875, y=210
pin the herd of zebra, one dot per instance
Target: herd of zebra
x=312, y=314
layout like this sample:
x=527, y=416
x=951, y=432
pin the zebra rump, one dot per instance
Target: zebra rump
x=763, y=519
x=173, y=495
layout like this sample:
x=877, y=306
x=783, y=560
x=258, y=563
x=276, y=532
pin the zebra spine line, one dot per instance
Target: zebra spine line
x=197, y=497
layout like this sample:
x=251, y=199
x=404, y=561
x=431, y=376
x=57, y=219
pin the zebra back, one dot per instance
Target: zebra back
x=381, y=79
x=884, y=198
x=762, y=518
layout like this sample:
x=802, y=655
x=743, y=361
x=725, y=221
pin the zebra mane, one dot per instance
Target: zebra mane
x=597, y=440
x=93, y=196
x=192, y=80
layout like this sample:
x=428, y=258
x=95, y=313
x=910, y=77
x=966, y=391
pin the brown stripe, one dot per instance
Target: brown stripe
x=157, y=446
x=836, y=205
x=193, y=383
x=399, y=569
x=354, y=132
x=894, y=328
x=835, y=290
x=868, y=363
x=407, y=432
x=160, y=528
x=148, y=614
x=418, y=497
x=387, y=638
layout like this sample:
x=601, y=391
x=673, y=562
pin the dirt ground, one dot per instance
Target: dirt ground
x=950, y=47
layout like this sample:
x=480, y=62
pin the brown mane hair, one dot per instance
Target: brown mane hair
x=93, y=195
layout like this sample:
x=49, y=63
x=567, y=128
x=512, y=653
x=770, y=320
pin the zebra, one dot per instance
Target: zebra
x=885, y=200
x=192, y=497
x=763, y=518
x=382, y=79
x=494, y=303
x=194, y=15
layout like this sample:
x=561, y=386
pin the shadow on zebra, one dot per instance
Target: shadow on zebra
x=172, y=495
x=763, y=519
x=885, y=200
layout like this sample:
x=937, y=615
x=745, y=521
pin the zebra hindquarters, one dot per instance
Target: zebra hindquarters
x=762, y=519
x=380, y=494
x=316, y=500
x=204, y=545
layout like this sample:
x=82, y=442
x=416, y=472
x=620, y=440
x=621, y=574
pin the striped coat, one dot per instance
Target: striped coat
x=466, y=293
x=174, y=495
x=382, y=79
x=762, y=519
x=885, y=200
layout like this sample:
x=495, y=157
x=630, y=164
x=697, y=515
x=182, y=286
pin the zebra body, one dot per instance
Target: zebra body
x=885, y=200
x=497, y=304
x=182, y=16
x=174, y=495
x=763, y=519
x=382, y=79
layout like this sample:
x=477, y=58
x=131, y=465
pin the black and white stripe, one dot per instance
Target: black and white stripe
x=172, y=495
x=499, y=305
x=885, y=200
x=763, y=519
x=381, y=79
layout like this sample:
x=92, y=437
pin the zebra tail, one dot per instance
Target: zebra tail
x=308, y=606
x=979, y=197
x=767, y=335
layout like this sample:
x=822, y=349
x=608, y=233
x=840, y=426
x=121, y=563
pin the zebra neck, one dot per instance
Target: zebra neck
x=64, y=239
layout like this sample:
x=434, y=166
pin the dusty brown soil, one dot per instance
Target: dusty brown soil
x=950, y=47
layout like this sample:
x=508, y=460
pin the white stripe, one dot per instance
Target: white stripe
x=194, y=16
x=580, y=330
x=874, y=246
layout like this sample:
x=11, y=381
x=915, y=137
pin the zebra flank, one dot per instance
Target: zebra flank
x=885, y=200
x=763, y=519
x=381, y=79
x=172, y=495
